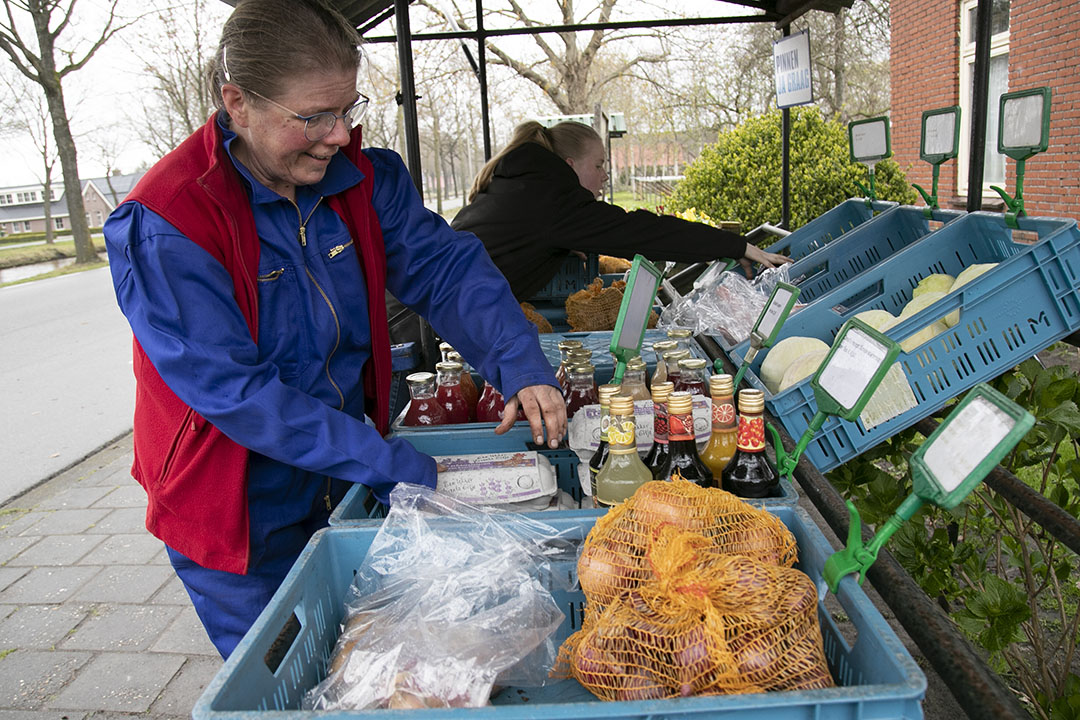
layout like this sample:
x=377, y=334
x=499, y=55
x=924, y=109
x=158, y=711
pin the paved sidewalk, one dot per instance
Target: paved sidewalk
x=93, y=622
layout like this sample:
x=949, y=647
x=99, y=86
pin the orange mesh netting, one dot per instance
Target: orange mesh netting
x=597, y=307
x=610, y=265
x=700, y=623
x=541, y=322
x=613, y=557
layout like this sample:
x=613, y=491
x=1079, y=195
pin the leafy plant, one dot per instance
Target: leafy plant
x=1006, y=582
x=738, y=177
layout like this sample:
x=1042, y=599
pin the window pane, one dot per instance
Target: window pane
x=999, y=19
x=994, y=171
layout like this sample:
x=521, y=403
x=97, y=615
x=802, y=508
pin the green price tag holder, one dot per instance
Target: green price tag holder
x=868, y=143
x=938, y=142
x=768, y=324
x=1023, y=131
x=637, y=300
x=957, y=456
x=856, y=364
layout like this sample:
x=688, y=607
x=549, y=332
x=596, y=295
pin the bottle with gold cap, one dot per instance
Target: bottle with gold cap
x=582, y=390
x=721, y=445
x=659, y=450
x=750, y=474
x=660, y=347
x=692, y=376
x=565, y=346
x=575, y=356
x=423, y=408
x=445, y=349
x=633, y=383
x=448, y=392
x=671, y=361
x=681, y=336
x=623, y=471
x=598, y=457
x=682, y=455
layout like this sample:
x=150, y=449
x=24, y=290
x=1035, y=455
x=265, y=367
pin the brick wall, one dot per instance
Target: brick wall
x=1044, y=49
x=925, y=76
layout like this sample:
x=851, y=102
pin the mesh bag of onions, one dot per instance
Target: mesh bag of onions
x=597, y=307
x=691, y=592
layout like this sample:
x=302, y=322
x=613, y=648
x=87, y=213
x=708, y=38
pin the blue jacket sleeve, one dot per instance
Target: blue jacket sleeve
x=178, y=300
x=448, y=277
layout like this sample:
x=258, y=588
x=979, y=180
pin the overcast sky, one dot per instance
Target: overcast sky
x=108, y=88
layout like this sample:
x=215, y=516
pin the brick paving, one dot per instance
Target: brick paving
x=93, y=623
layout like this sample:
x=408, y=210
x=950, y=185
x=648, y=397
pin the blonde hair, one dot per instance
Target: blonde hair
x=567, y=139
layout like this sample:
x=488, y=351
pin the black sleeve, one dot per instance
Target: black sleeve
x=595, y=226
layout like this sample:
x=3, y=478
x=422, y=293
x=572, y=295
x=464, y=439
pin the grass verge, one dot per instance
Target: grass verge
x=70, y=269
x=14, y=257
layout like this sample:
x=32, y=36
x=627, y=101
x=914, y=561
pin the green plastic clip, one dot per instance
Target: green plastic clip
x=857, y=557
x=1014, y=205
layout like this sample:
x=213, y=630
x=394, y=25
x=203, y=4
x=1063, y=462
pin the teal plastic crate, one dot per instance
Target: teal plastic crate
x=1022, y=306
x=574, y=275
x=359, y=506
x=876, y=676
x=861, y=248
x=829, y=227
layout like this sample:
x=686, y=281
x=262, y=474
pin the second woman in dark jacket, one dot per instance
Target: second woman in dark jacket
x=536, y=200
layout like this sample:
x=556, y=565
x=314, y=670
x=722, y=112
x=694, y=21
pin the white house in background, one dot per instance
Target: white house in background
x=22, y=207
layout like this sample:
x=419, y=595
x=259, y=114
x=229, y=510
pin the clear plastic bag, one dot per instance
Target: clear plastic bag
x=724, y=303
x=449, y=602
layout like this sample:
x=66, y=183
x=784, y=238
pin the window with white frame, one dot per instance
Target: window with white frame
x=100, y=218
x=59, y=223
x=26, y=226
x=993, y=162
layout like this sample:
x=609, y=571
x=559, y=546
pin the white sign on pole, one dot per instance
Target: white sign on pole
x=791, y=68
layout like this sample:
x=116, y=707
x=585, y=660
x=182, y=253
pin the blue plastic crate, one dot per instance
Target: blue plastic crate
x=877, y=677
x=359, y=506
x=862, y=247
x=574, y=275
x=828, y=227
x=1022, y=306
x=600, y=344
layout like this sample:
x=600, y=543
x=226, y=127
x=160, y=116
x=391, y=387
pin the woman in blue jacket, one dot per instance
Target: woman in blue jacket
x=251, y=263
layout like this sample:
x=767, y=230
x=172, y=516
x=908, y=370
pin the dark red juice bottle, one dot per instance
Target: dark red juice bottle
x=423, y=408
x=582, y=390
x=692, y=376
x=449, y=394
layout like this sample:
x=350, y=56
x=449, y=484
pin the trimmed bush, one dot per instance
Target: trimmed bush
x=738, y=177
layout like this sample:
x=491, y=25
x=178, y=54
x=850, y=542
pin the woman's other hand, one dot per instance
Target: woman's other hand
x=539, y=402
x=754, y=254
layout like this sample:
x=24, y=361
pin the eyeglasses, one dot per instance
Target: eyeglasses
x=321, y=124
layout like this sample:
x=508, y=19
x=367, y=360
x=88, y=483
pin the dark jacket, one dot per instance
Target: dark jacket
x=535, y=210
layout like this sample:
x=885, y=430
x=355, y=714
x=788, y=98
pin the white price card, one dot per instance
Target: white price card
x=868, y=141
x=940, y=135
x=772, y=313
x=852, y=367
x=968, y=437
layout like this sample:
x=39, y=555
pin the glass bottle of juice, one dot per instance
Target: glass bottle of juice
x=660, y=372
x=565, y=346
x=683, y=456
x=423, y=408
x=659, y=450
x=448, y=392
x=681, y=336
x=597, y=460
x=575, y=356
x=750, y=474
x=633, y=383
x=490, y=405
x=582, y=390
x=691, y=376
x=623, y=471
x=468, y=385
x=722, y=441
x=671, y=362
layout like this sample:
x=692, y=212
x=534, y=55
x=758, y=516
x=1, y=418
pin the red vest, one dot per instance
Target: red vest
x=195, y=477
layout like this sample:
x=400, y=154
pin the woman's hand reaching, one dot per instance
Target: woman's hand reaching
x=754, y=254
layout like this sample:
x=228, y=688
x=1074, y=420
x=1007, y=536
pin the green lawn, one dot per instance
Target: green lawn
x=14, y=257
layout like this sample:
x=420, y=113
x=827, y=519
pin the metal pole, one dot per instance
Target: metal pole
x=481, y=42
x=785, y=167
x=407, y=99
x=979, y=106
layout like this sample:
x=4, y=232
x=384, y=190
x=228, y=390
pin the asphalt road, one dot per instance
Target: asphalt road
x=66, y=386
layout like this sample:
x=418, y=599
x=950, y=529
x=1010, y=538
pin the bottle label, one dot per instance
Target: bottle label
x=751, y=436
x=681, y=427
x=605, y=426
x=621, y=435
x=660, y=423
x=723, y=414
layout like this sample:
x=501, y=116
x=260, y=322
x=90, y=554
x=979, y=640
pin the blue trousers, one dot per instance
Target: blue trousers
x=227, y=603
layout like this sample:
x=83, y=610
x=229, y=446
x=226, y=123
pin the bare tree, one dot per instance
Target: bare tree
x=184, y=36
x=36, y=57
x=28, y=116
x=566, y=70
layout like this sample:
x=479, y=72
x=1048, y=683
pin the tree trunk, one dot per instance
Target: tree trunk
x=438, y=163
x=65, y=144
x=839, y=22
x=46, y=204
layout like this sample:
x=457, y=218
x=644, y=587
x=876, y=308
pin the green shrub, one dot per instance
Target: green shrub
x=32, y=236
x=738, y=177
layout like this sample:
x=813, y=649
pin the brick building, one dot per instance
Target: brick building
x=22, y=208
x=1035, y=43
